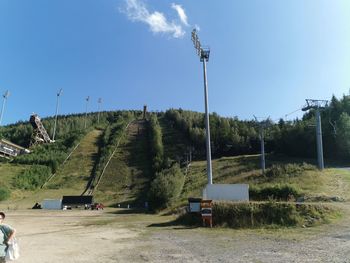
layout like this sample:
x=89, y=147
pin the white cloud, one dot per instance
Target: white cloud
x=181, y=12
x=158, y=23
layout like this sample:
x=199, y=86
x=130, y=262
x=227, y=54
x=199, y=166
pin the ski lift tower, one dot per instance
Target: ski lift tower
x=317, y=105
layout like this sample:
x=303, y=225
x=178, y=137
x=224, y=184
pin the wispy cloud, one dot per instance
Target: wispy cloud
x=181, y=12
x=136, y=10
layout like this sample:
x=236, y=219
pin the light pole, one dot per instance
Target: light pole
x=55, y=125
x=203, y=54
x=262, y=125
x=5, y=96
x=98, y=110
x=86, y=108
x=317, y=105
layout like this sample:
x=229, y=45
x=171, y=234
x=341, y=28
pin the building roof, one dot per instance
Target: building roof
x=12, y=144
x=77, y=199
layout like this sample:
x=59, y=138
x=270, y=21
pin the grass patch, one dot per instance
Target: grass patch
x=32, y=178
x=4, y=193
x=269, y=214
x=280, y=192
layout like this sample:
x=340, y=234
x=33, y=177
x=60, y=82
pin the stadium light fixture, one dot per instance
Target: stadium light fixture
x=86, y=109
x=98, y=110
x=5, y=96
x=203, y=53
x=59, y=93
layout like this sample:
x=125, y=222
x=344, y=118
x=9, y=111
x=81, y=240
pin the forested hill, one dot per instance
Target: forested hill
x=229, y=136
x=169, y=139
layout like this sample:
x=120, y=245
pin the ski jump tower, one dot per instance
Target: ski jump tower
x=39, y=135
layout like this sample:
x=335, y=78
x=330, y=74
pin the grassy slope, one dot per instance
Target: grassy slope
x=71, y=178
x=175, y=143
x=245, y=169
x=126, y=179
x=76, y=172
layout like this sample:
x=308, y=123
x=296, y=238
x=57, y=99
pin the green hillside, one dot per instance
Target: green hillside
x=128, y=161
x=77, y=171
x=127, y=177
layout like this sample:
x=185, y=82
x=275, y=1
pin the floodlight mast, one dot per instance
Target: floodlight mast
x=5, y=96
x=86, y=108
x=317, y=105
x=203, y=54
x=98, y=110
x=57, y=103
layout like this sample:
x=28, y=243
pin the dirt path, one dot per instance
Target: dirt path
x=113, y=236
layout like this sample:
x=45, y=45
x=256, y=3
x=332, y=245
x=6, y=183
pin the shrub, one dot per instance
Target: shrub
x=279, y=192
x=32, y=178
x=156, y=144
x=288, y=170
x=4, y=193
x=245, y=215
x=166, y=187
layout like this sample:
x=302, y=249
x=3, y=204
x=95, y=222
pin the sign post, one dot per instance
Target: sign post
x=206, y=212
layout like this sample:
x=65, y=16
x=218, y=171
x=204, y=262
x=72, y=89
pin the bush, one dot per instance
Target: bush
x=166, y=187
x=32, y=178
x=288, y=170
x=246, y=215
x=277, y=192
x=156, y=144
x=4, y=193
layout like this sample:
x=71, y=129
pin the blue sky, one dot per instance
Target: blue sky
x=267, y=57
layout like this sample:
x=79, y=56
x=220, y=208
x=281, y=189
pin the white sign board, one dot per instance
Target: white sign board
x=228, y=192
x=52, y=204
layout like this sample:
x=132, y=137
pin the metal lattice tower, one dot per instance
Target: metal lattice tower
x=39, y=134
x=317, y=105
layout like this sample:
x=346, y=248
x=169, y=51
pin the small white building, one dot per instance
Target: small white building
x=226, y=192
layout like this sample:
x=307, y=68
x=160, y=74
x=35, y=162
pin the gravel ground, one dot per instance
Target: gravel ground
x=328, y=243
x=94, y=236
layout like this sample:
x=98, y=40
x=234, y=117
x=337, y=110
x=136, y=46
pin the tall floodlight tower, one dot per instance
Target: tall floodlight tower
x=57, y=103
x=5, y=96
x=317, y=105
x=203, y=53
x=86, y=109
x=98, y=110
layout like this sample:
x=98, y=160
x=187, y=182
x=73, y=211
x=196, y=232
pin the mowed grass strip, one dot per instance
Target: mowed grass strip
x=126, y=179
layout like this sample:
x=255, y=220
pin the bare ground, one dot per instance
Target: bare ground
x=115, y=236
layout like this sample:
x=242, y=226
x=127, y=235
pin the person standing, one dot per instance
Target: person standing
x=6, y=234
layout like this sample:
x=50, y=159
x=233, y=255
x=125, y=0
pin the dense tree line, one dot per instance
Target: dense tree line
x=297, y=138
x=229, y=136
x=156, y=144
x=168, y=179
